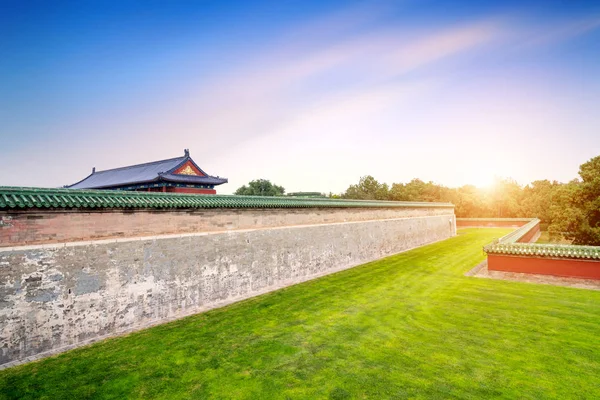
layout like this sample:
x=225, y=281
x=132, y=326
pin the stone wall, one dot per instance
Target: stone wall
x=31, y=226
x=58, y=296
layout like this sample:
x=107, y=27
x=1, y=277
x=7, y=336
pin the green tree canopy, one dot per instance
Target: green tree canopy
x=260, y=187
x=539, y=198
x=470, y=201
x=571, y=210
x=417, y=190
x=579, y=216
x=367, y=189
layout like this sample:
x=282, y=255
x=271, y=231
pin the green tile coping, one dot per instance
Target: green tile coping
x=25, y=198
x=545, y=250
x=508, y=245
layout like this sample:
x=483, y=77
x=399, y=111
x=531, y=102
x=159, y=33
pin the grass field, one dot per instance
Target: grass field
x=408, y=326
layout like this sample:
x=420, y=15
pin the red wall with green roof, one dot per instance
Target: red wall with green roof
x=545, y=266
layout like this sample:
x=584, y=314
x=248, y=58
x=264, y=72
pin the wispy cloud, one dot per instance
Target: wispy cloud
x=275, y=87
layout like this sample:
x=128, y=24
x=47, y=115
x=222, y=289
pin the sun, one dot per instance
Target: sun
x=482, y=178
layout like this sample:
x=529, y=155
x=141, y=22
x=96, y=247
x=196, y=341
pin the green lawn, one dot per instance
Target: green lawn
x=408, y=326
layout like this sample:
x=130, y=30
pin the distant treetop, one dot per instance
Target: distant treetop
x=260, y=187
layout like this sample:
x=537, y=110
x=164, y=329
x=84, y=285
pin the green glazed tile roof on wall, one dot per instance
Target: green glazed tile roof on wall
x=545, y=250
x=508, y=245
x=24, y=198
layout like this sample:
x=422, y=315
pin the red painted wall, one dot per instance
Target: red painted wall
x=545, y=266
x=190, y=190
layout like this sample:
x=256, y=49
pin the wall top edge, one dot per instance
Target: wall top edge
x=517, y=234
x=496, y=219
x=14, y=198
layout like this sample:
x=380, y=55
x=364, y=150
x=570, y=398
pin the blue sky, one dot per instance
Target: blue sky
x=311, y=95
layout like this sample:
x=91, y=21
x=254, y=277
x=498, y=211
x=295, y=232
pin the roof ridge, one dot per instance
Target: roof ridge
x=142, y=164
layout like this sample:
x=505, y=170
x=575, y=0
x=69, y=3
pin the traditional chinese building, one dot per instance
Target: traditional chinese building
x=180, y=175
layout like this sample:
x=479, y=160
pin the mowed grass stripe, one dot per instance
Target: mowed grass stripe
x=411, y=325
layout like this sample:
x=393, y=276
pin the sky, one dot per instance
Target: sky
x=311, y=95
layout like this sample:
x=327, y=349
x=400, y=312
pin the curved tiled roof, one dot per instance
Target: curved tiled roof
x=24, y=198
x=155, y=171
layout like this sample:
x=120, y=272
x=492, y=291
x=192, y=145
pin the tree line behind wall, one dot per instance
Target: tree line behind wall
x=507, y=199
x=570, y=210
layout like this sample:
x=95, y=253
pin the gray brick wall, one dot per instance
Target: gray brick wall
x=55, y=297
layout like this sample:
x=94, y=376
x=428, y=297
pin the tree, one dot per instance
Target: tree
x=367, y=189
x=538, y=199
x=260, y=187
x=565, y=213
x=470, y=202
x=581, y=214
x=506, y=197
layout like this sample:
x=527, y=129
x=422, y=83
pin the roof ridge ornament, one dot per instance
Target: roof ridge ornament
x=186, y=152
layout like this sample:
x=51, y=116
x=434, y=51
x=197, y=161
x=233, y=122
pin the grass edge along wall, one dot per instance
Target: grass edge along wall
x=60, y=296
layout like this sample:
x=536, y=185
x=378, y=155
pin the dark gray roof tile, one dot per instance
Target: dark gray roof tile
x=155, y=171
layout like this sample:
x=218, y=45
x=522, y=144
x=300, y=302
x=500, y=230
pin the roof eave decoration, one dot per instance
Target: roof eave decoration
x=187, y=159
